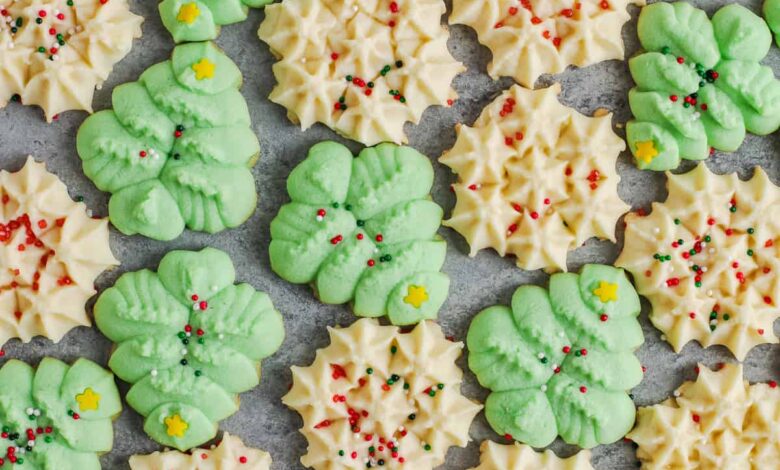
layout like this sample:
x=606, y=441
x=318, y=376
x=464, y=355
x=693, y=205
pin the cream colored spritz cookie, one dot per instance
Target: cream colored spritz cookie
x=53, y=53
x=535, y=178
x=51, y=251
x=522, y=457
x=707, y=260
x=362, y=68
x=230, y=454
x=718, y=422
x=529, y=38
x=377, y=397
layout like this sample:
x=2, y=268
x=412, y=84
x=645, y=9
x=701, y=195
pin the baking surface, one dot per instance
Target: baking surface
x=477, y=283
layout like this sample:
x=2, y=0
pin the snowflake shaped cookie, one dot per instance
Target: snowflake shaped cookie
x=716, y=422
x=379, y=397
x=529, y=38
x=54, y=53
x=362, y=68
x=707, y=259
x=51, y=252
x=535, y=179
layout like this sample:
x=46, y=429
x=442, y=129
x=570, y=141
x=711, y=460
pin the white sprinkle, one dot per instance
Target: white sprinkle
x=303, y=59
x=713, y=322
x=709, y=293
x=711, y=251
x=656, y=230
x=543, y=388
x=221, y=336
x=540, y=355
x=184, y=351
x=320, y=218
x=37, y=412
x=214, y=288
x=28, y=411
x=196, y=306
x=30, y=443
x=188, y=334
x=704, y=269
x=676, y=393
x=21, y=450
x=89, y=212
x=554, y=366
x=154, y=372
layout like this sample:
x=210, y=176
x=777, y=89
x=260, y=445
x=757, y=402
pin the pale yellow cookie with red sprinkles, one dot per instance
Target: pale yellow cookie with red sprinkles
x=529, y=38
x=377, y=397
x=230, y=454
x=707, y=259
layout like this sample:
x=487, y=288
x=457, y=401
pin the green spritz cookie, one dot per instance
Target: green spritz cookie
x=200, y=20
x=772, y=16
x=56, y=417
x=700, y=86
x=176, y=149
x=188, y=340
x=561, y=362
x=364, y=230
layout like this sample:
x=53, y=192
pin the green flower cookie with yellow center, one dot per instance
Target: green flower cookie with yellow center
x=700, y=86
x=200, y=20
x=561, y=362
x=364, y=230
x=56, y=416
x=176, y=149
x=188, y=340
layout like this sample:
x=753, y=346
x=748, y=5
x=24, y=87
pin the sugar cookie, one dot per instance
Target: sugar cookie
x=522, y=457
x=230, y=454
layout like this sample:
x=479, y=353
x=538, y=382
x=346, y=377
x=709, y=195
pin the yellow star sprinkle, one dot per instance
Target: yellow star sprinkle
x=88, y=400
x=188, y=13
x=204, y=69
x=176, y=426
x=416, y=296
x=606, y=291
x=646, y=151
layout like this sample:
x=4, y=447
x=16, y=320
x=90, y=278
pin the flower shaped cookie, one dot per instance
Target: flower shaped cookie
x=535, y=178
x=200, y=20
x=230, y=454
x=708, y=259
x=529, y=38
x=364, y=230
x=51, y=252
x=53, y=53
x=57, y=416
x=717, y=422
x=176, y=149
x=561, y=363
x=362, y=68
x=188, y=341
x=379, y=398
x=700, y=85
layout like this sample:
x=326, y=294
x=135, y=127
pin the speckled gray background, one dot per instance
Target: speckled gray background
x=476, y=282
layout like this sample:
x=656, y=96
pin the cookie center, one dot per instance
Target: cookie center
x=553, y=18
x=19, y=441
x=44, y=29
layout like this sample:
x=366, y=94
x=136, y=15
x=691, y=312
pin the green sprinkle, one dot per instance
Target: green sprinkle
x=335, y=205
x=393, y=349
x=79, y=198
x=695, y=267
x=406, y=386
x=20, y=460
x=370, y=84
x=427, y=447
x=431, y=393
x=440, y=386
x=372, y=449
x=701, y=84
x=6, y=429
x=70, y=3
x=402, y=100
x=388, y=258
x=733, y=208
x=577, y=353
x=201, y=341
x=668, y=258
x=39, y=20
x=726, y=316
x=713, y=315
x=181, y=335
x=19, y=22
x=399, y=63
x=751, y=231
x=349, y=78
x=342, y=99
x=369, y=371
x=412, y=417
x=707, y=238
x=676, y=221
x=360, y=223
x=341, y=453
x=48, y=439
x=198, y=373
x=712, y=327
x=750, y=252
x=665, y=50
x=686, y=105
x=41, y=49
x=544, y=360
x=183, y=362
x=697, y=284
x=348, y=207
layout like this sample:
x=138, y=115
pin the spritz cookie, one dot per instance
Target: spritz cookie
x=52, y=251
x=230, y=454
x=53, y=53
x=535, y=179
x=200, y=20
x=717, y=422
x=772, y=16
x=707, y=259
x=522, y=457
x=377, y=397
x=529, y=38
x=189, y=341
x=362, y=68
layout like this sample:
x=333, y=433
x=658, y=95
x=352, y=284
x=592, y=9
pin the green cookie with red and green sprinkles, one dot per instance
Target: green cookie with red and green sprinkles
x=56, y=416
x=561, y=361
x=200, y=20
x=189, y=341
x=700, y=85
x=363, y=230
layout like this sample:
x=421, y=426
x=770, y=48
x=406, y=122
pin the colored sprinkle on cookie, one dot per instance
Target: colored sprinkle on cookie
x=53, y=250
x=707, y=259
x=522, y=457
x=700, y=86
x=43, y=420
x=535, y=179
x=377, y=397
x=363, y=69
x=177, y=148
x=230, y=454
x=200, y=20
x=718, y=421
x=364, y=230
x=561, y=362
x=55, y=53
x=529, y=38
x=189, y=341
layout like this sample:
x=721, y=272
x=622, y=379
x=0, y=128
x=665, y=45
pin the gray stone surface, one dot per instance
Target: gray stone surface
x=476, y=283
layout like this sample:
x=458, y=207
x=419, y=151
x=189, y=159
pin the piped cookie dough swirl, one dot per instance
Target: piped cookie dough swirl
x=376, y=397
x=53, y=53
x=362, y=68
x=177, y=148
x=51, y=252
x=707, y=259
